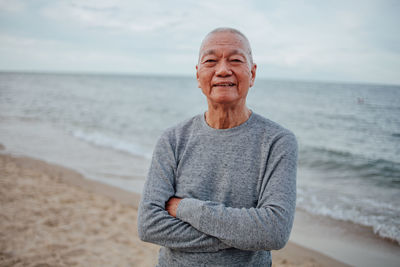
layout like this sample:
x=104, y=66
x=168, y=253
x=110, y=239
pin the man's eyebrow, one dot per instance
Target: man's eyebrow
x=237, y=52
x=233, y=52
x=208, y=52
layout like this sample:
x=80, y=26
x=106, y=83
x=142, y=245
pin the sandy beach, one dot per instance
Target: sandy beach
x=53, y=216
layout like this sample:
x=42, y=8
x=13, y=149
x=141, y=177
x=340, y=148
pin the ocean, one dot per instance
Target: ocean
x=106, y=126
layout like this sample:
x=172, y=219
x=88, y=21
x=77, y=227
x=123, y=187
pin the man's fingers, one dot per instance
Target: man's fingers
x=172, y=205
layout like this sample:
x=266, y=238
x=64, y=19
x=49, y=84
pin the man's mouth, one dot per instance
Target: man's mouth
x=224, y=84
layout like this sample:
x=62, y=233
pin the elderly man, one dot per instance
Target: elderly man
x=221, y=189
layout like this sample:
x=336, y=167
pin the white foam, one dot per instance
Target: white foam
x=54, y=145
x=384, y=218
x=105, y=141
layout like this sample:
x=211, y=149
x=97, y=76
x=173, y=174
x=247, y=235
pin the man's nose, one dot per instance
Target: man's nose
x=223, y=69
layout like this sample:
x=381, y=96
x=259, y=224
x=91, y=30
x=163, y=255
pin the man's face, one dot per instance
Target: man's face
x=224, y=72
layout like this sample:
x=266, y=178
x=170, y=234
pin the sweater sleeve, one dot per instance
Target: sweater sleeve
x=155, y=225
x=264, y=227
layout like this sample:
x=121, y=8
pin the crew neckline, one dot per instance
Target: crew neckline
x=210, y=129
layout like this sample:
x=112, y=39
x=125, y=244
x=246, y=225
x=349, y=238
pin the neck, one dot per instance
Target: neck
x=222, y=117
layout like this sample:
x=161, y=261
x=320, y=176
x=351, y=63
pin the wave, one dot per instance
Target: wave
x=351, y=187
x=383, y=172
x=105, y=141
x=382, y=217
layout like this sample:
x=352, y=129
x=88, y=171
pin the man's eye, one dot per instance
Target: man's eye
x=236, y=60
x=210, y=61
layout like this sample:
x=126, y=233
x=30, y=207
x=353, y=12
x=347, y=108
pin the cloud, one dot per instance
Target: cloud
x=290, y=39
x=123, y=16
x=39, y=54
x=155, y=16
x=11, y=6
x=32, y=54
x=315, y=41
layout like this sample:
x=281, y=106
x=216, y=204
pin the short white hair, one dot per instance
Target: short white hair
x=234, y=31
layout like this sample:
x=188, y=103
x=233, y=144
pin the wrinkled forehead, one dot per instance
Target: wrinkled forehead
x=230, y=39
x=234, y=41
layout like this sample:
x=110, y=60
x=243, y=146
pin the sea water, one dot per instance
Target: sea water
x=348, y=134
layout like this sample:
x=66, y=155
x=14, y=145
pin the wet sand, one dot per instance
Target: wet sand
x=53, y=216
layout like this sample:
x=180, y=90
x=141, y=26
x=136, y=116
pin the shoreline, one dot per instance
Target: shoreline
x=38, y=139
x=64, y=179
x=348, y=242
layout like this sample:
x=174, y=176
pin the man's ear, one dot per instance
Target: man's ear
x=197, y=76
x=253, y=74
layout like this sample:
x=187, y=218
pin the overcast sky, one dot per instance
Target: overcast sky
x=355, y=41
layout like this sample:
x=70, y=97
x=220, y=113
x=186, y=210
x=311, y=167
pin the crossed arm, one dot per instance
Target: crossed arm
x=202, y=226
x=155, y=224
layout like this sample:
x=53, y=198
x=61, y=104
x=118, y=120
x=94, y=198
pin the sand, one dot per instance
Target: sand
x=52, y=216
x=47, y=222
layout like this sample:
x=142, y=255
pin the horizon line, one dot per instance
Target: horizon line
x=171, y=75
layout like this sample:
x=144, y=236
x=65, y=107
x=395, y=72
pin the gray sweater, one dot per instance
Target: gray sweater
x=239, y=193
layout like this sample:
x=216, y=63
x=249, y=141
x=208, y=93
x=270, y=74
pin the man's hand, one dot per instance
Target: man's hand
x=172, y=205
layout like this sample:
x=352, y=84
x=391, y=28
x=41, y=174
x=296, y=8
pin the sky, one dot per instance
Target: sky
x=344, y=41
